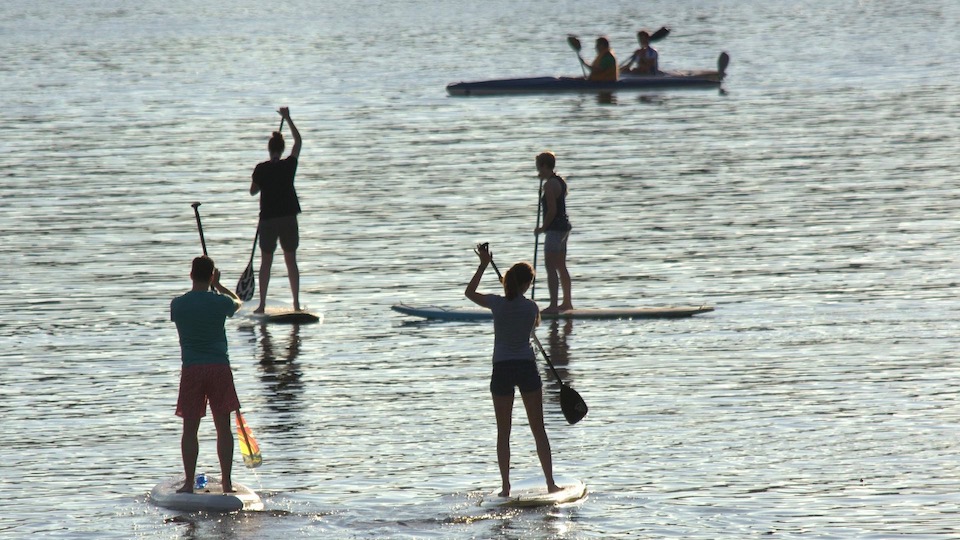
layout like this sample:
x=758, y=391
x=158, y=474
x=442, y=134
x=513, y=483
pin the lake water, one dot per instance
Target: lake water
x=813, y=204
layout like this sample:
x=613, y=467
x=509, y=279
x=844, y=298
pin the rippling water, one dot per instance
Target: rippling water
x=813, y=204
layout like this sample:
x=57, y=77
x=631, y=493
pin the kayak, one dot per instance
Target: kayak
x=478, y=314
x=628, y=81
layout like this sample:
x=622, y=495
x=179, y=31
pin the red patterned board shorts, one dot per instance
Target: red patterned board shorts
x=203, y=383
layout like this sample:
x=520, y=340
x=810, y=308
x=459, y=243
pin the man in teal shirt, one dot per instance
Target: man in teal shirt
x=205, y=376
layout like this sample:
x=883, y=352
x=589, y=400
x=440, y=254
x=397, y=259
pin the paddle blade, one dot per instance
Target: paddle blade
x=722, y=62
x=246, y=285
x=660, y=34
x=574, y=43
x=572, y=405
x=249, y=448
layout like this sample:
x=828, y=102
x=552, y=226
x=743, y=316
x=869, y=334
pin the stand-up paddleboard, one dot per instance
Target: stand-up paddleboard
x=284, y=315
x=533, y=492
x=477, y=314
x=209, y=499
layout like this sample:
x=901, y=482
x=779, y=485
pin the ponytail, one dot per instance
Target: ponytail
x=517, y=277
x=276, y=143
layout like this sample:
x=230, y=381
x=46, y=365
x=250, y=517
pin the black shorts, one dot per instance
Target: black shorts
x=510, y=373
x=284, y=229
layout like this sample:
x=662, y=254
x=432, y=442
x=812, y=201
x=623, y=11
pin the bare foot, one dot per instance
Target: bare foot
x=187, y=488
x=228, y=488
x=505, y=492
x=550, y=310
x=565, y=307
x=553, y=488
x=259, y=309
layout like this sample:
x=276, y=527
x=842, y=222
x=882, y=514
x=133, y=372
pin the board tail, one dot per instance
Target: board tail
x=248, y=444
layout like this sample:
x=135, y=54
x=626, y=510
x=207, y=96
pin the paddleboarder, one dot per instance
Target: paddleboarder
x=279, y=207
x=205, y=375
x=514, y=362
x=646, y=58
x=604, y=66
x=557, y=227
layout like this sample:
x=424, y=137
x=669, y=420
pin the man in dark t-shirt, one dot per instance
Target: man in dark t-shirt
x=279, y=207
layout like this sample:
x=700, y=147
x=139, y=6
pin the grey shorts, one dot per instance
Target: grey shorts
x=508, y=374
x=556, y=242
x=284, y=229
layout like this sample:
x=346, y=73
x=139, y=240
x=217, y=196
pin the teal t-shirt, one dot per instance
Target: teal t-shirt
x=199, y=317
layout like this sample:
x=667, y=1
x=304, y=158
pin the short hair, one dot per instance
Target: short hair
x=276, y=143
x=603, y=41
x=547, y=159
x=202, y=268
x=643, y=33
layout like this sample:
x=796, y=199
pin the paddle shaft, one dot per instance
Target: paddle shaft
x=245, y=430
x=196, y=212
x=534, y=335
x=536, y=243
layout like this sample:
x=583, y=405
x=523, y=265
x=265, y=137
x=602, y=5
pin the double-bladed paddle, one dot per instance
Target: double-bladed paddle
x=572, y=405
x=575, y=45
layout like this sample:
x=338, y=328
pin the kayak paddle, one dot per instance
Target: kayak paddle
x=575, y=45
x=659, y=34
x=722, y=62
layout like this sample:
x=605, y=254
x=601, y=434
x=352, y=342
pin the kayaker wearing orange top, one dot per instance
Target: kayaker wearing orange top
x=604, y=66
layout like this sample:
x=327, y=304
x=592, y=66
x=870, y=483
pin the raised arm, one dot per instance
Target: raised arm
x=297, y=141
x=483, y=253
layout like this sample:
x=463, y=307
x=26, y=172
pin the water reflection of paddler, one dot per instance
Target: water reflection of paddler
x=558, y=347
x=280, y=372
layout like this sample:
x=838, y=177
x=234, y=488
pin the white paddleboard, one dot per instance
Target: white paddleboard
x=476, y=314
x=533, y=492
x=210, y=499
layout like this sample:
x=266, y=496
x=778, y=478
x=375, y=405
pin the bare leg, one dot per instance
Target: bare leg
x=503, y=407
x=290, y=257
x=565, y=283
x=189, y=449
x=266, y=261
x=533, y=403
x=225, y=449
x=551, y=261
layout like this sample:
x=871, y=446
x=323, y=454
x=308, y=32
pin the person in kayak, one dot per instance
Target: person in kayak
x=279, y=207
x=557, y=227
x=604, y=66
x=514, y=362
x=646, y=59
x=205, y=374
